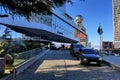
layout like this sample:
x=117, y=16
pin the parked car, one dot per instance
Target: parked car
x=88, y=55
x=114, y=54
x=110, y=53
x=105, y=52
x=74, y=49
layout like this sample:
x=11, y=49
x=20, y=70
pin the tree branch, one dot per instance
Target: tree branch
x=4, y=15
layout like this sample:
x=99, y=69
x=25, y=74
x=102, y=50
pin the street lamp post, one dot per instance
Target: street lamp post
x=101, y=45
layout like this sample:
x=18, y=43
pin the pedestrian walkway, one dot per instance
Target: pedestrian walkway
x=113, y=61
x=49, y=67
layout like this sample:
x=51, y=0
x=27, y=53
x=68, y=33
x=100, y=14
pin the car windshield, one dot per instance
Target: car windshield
x=89, y=51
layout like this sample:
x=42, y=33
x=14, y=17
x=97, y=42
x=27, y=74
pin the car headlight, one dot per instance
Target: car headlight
x=84, y=59
x=100, y=58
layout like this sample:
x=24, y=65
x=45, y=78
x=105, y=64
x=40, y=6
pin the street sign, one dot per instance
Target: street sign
x=100, y=31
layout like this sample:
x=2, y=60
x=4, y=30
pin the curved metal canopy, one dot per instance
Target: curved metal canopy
x=32, y=29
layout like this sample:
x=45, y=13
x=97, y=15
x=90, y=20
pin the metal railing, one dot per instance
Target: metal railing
x=27, y=54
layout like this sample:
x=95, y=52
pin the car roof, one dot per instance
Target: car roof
x=88, y=49
x=76, y=44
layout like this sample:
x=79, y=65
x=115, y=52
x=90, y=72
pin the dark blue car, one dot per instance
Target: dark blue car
x=88, y=55
x=74, y=49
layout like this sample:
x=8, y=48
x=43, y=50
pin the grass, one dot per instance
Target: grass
x=9, y=68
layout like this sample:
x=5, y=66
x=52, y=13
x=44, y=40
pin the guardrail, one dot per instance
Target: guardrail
x=27, y=54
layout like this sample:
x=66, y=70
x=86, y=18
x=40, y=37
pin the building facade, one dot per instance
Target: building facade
x=64, y=24
x=116, y=20
x=79, y=23
x=59, y=27
x=107, y=45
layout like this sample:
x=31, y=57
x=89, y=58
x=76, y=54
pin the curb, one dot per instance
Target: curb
x=113, y=66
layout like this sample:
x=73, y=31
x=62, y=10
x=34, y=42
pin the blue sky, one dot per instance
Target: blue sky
x=94, y=12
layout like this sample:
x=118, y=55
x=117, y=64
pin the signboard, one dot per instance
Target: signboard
x=100, y=31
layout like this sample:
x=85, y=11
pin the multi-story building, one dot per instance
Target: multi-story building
x=107, y=45
x=77, y=33
x=116, y=20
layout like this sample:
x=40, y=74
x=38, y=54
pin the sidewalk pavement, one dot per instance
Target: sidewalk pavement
x=113, y=61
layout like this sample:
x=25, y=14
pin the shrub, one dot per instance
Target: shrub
x=9, y=59
x=117, y=51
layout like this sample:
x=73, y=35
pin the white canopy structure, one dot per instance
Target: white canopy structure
x=36, y=29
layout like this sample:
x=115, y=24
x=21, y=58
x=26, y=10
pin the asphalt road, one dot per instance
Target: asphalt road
x=60, y=65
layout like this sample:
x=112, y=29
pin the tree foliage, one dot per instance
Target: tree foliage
x=26, y=7
x=3, y=48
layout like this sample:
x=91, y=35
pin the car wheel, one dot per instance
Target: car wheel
x=98, y=63
x=78, y=58
x=74, y=55
x=88, y=63
x=81, y=61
